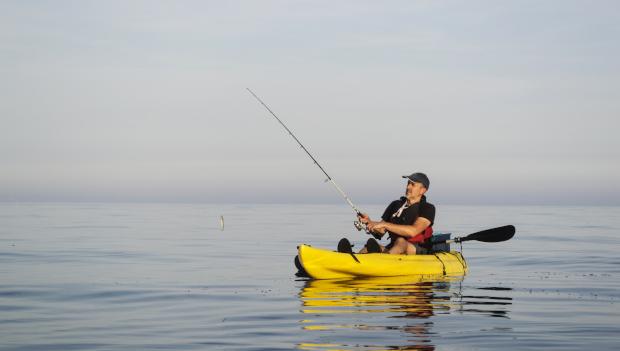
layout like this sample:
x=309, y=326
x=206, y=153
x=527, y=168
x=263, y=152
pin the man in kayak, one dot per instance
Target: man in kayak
x=408, y=221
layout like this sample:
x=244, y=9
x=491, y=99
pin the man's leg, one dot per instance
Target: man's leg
x=365, y=248
x=401, y=246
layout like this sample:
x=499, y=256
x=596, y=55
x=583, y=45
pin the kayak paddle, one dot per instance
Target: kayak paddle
x=493, y=235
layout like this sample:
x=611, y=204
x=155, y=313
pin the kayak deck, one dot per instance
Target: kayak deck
x=327, y=264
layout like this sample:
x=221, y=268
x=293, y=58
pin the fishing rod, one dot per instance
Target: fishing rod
x=358, y=225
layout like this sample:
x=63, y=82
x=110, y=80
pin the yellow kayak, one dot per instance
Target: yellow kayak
x=327, y=264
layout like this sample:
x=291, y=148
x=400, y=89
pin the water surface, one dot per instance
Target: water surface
x=165, y=277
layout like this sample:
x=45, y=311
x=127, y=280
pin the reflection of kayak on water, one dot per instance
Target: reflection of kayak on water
x=415, y=298
x=402, y=310
x=408, y=294
x=327, y=264
x=405, y=305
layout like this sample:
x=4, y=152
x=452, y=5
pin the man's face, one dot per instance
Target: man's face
x=414, y=190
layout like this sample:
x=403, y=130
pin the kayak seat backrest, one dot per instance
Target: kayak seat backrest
x=439, y=244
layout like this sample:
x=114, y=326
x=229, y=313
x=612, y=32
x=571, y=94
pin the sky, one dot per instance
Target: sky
x=499, y=102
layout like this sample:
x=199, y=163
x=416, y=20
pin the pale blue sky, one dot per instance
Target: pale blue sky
x=499, y=102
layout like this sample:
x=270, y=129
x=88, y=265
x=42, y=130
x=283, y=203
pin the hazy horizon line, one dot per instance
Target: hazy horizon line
x=309, y=203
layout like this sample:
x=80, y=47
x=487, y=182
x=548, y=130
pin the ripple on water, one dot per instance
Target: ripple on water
x=146, y=277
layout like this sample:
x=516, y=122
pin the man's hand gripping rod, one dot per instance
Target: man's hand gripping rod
x=359, y=225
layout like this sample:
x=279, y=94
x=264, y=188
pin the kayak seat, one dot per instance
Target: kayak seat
x=439, y=244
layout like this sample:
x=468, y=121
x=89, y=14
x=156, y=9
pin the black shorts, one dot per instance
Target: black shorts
x=419, y=249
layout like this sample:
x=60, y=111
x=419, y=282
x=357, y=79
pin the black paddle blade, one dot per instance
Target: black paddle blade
x=493, y=235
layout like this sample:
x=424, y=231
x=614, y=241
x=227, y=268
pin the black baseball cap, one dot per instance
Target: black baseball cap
x=420, y=178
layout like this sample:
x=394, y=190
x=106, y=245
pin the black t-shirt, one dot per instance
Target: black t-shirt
x=409, y=214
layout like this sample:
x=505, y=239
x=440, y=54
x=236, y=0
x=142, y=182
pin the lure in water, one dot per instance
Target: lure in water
x=221, y=222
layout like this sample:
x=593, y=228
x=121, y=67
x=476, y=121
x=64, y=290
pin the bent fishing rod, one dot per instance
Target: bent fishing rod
x=358, y=225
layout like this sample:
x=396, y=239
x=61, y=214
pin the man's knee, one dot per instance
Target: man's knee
x=398, y=245
x=399, y=240
x=411, y=249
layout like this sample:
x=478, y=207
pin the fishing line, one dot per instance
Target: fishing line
x=329, y=179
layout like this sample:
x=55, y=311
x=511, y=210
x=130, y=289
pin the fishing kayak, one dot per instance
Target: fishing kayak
x=327, y=264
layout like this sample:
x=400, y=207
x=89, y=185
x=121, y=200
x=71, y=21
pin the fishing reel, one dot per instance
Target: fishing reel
x=359, y=226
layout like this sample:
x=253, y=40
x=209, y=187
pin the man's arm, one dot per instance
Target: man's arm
x=366, y=220
x=407, y=231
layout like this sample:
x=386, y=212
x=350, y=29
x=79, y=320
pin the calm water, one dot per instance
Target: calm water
x=165, y=277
